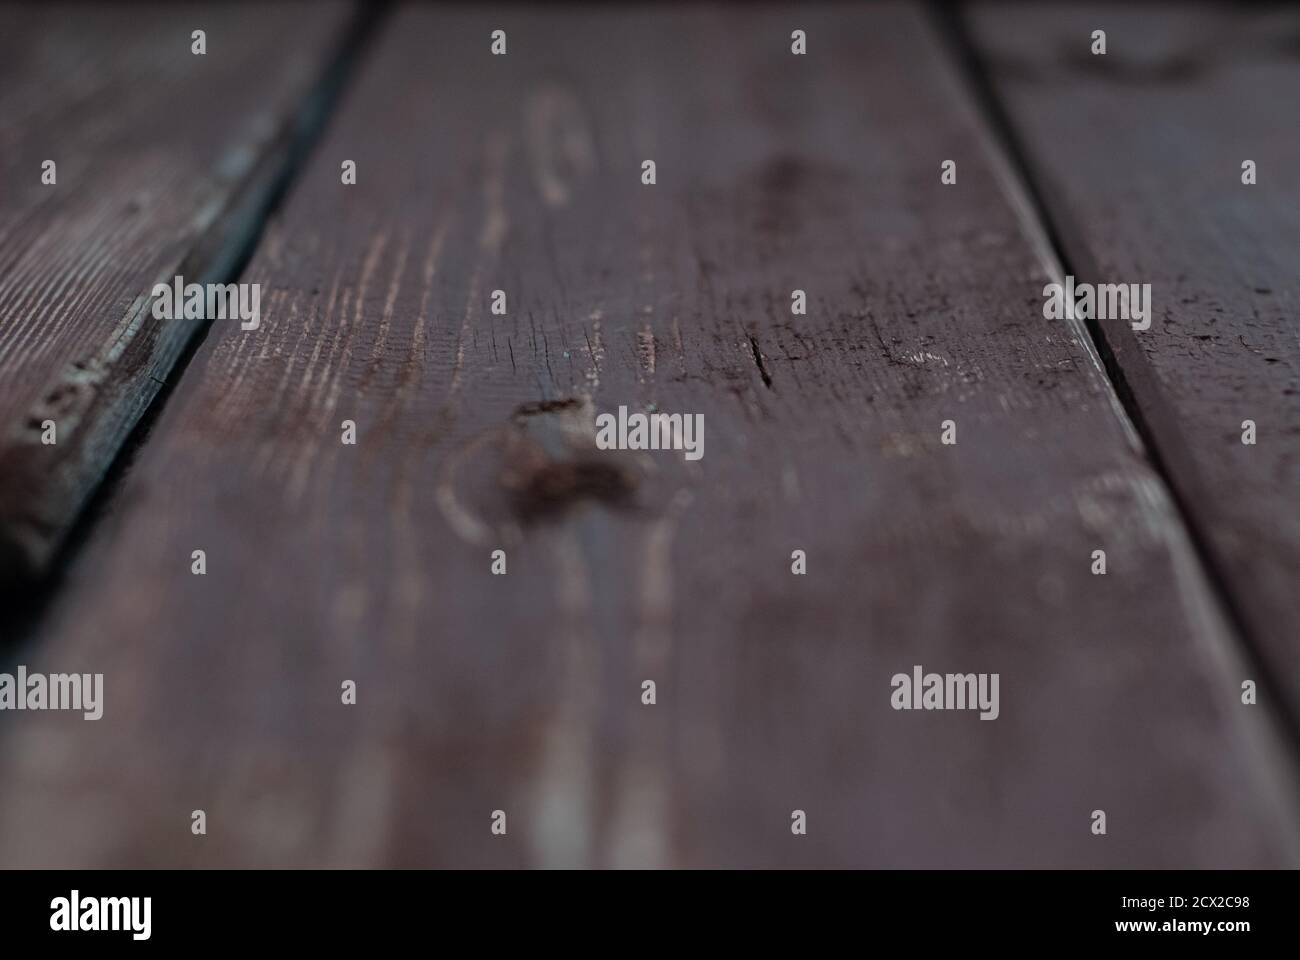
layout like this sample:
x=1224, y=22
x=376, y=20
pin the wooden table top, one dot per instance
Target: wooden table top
x=364, y=588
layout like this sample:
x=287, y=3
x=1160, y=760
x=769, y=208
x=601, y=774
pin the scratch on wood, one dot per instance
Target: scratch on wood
x=559, y=143
x=561, y=808
x=640, y=823
x=758, y=362
x=646, y=350
x=492, y=235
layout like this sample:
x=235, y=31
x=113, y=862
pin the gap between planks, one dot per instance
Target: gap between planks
x=1223, y=633
x=30, y=580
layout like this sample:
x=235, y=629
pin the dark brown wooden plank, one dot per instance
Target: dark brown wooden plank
x=1139, y=153
x=164, y=159
x=521, y=693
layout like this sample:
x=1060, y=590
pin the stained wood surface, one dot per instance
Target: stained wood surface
x=522, y=692
x=1139, y=153
x=163, y=158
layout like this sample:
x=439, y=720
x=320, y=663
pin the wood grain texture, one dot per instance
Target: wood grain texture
x=1139, y=156
x=521, y=693
x=163, y=160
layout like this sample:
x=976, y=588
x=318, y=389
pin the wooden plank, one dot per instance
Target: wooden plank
x=1139, y=155
x=164, y=160
x=522, y=693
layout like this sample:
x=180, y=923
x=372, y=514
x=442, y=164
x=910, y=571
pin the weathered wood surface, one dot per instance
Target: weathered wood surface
x=163, y=158
x=1139, y=155
x=521, y=692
